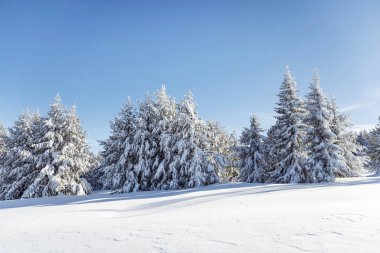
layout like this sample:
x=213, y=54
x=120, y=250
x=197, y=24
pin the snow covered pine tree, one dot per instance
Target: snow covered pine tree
x=347, y=141
x=373, y=150
x=324, y=156
x=163, y=146
x=3, y=144
x=221, y=150
x=171, y=146
x=19, y=171
x=164, y=176
x=60, y=155
x=145, y=147
x=117, y=152
x=3, y=152
x=190, y=145
x=252, y=163
x=288, y=137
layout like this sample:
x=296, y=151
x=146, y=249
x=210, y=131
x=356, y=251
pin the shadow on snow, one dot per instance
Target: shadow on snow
x=179, y=198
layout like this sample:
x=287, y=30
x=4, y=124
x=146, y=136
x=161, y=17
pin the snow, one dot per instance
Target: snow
x=237, y=217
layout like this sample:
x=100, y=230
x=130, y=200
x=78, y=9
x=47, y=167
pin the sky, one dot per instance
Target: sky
x=230, y=54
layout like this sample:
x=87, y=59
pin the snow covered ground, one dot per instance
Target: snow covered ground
x=336, y=217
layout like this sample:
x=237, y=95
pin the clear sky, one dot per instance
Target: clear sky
x=230, y=54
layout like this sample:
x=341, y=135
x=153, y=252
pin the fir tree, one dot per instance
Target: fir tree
x=346, y=140
x=324, y=155
x=269, y=152
x=19, y=160
x=3, y=152
x=163, y=132
x=113, y=173
x=61, y=155
x=189, y=146
x=231, y=171
x=363, y=139
x=145, y=147
x=3, y=144
x=164, y=145
x=373, y=150
x=288, y=137
x=252, y=163
x=220, y=147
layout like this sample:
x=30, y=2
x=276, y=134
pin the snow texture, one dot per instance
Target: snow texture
x=329, y=217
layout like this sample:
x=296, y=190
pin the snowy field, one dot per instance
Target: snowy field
x=335, y=217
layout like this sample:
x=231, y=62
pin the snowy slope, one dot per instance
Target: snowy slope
x=336, y=217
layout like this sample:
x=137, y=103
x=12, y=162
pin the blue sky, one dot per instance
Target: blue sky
x=230, y=54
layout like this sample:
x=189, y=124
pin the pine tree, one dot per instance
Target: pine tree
x=164, y=145
x=346, y=140
x=190, y=145
x=220, y=147
x=373, y=150
x=232, y=171
x=19, y=159
x=252, y=163
x=163, y=133
x=269, y=152
x=363, y=140
x=145, y=147
x=324, y=155
x=3, y=152
x=288, y=137
x=3, y=144
x=113, y=173
x=61, y=155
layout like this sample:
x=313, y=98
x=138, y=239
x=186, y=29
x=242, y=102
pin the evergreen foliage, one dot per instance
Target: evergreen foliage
x=252, y=162
x=47, y=155
x=324, y=156
x=288, y=137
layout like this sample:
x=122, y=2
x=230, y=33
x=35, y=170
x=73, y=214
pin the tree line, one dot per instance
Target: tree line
x=162, y=144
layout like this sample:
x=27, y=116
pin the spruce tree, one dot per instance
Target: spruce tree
x=289, y=135
x=363, y=139
x=220, y=147
x=164, y=145
x=163, y=133
x=61, y=155
x=3, y=152
x=145, y=147
x=150, y=150
x=113, y=173
x=19, y=171
x=252, y=163
x=232, y=171
x=346, y=140
x=269, y=152
x=190, y=145
x=373, y=150
x=324, y=156
x=3, y=144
